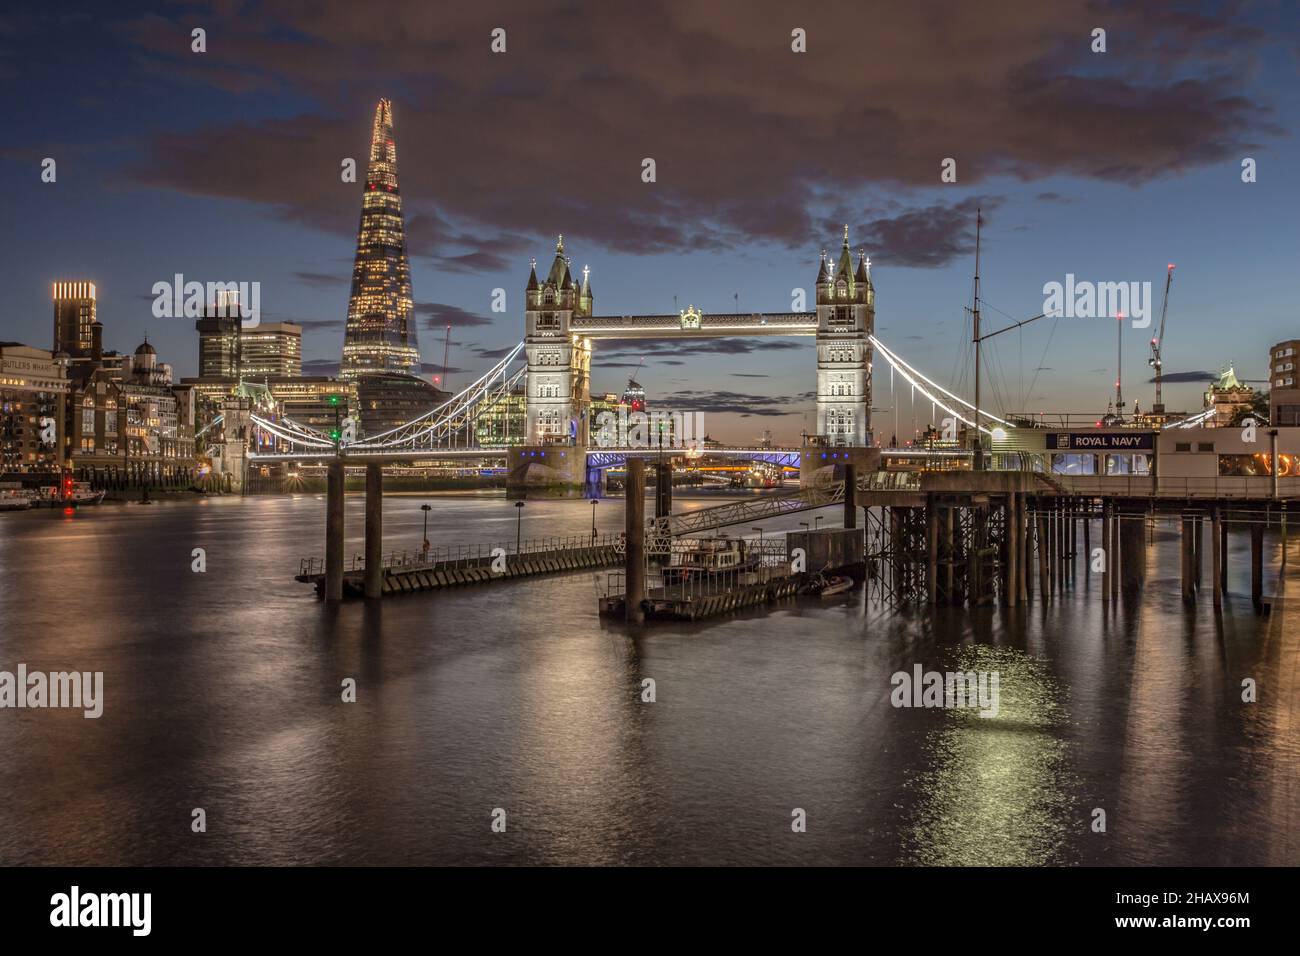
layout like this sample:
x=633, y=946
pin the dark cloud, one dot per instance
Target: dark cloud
x=429, y=368
x=318, y=325
x=1177, y=377
x=324, y=279
x=493, y=150
x=320, y=367
x=438, y=315
x=635, y=348
x=930, y=236
x=737, y=403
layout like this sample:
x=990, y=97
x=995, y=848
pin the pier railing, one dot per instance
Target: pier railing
x=466, y=556
x=1224, y=488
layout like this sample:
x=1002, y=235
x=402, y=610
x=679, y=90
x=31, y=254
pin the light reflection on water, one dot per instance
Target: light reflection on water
x=223, y=692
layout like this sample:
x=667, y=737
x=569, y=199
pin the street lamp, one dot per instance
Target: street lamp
x=594, y=502
x=426, y=509
x=519, y=524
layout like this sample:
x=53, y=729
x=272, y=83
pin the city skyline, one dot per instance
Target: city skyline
x=712, y=231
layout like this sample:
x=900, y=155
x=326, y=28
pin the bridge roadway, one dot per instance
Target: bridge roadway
x=597, y=457
x=711, y=325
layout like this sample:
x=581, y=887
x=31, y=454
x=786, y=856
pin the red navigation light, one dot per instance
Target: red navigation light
x=1171, y=267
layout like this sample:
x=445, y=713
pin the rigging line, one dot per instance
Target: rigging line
x=1039, y=369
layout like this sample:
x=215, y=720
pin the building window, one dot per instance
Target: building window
x=1183, y=446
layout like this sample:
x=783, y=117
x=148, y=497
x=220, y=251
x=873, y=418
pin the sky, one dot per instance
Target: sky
x=224, y=165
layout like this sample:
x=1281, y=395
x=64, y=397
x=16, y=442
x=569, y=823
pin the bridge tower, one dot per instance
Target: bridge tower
x=846, y=315
x=552, y=459
x=559, y=363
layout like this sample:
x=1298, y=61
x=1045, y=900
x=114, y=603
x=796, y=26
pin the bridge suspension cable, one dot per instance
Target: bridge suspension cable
x=458, y=413
x=915, y=377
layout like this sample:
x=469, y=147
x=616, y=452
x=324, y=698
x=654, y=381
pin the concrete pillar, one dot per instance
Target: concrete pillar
x=374, y=530
x=634, y=528
x=1011, y=572
x=1223, y=549
x=1284, y=541
x=1107, y=525
x=1132, y=536
x=1026, y=547
x=1216, y=548
x=1074, y=541
x=334, y=531
x=1114, y=557
x=1198, y=549
x=1257, y=566
x=1187, y=547
x=932, y=549
x=1087, y=544
x=950, y=553
x=1044, y=577
x=1053, y=548
x=850, y=496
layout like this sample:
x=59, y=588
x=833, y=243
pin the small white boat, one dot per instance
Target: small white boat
x=75, y=493
x=14, y=501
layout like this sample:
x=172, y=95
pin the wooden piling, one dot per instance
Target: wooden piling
x=1216, y=548
x=374, y=573
x=634, y=552
x=334, y=531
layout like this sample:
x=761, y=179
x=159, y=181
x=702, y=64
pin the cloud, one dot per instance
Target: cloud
x=320, y=367
x=929, y=236
x=737, y=403
x=788, y=137
x=1177, y=377
x=438, y=315
x=323, y=279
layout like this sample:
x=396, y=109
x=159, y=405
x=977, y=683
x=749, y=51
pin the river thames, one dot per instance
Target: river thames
x=222, y=691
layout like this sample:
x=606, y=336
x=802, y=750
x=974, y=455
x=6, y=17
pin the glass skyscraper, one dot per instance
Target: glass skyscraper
x=380, y=334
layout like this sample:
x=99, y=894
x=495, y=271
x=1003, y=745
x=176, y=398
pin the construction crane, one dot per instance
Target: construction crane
x=446, y=348
x=1158, y=344
x=634, y=394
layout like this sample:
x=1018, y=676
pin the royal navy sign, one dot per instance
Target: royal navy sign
x=1103, y=441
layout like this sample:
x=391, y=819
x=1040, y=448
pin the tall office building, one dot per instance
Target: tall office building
x=218, y=347
x=74, y=314
x=270, y=350
x=1284, y=383
x=380, y=334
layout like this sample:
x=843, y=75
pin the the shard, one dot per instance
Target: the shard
x=380, y=336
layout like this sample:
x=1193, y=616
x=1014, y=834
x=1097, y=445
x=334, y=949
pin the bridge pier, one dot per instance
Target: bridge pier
x=850, y=496
x=546, y=471
x=634, y=552
x=374, y=582
x=334, y=531
x=663, y=489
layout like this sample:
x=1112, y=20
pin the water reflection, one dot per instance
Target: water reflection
x=223, y=692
